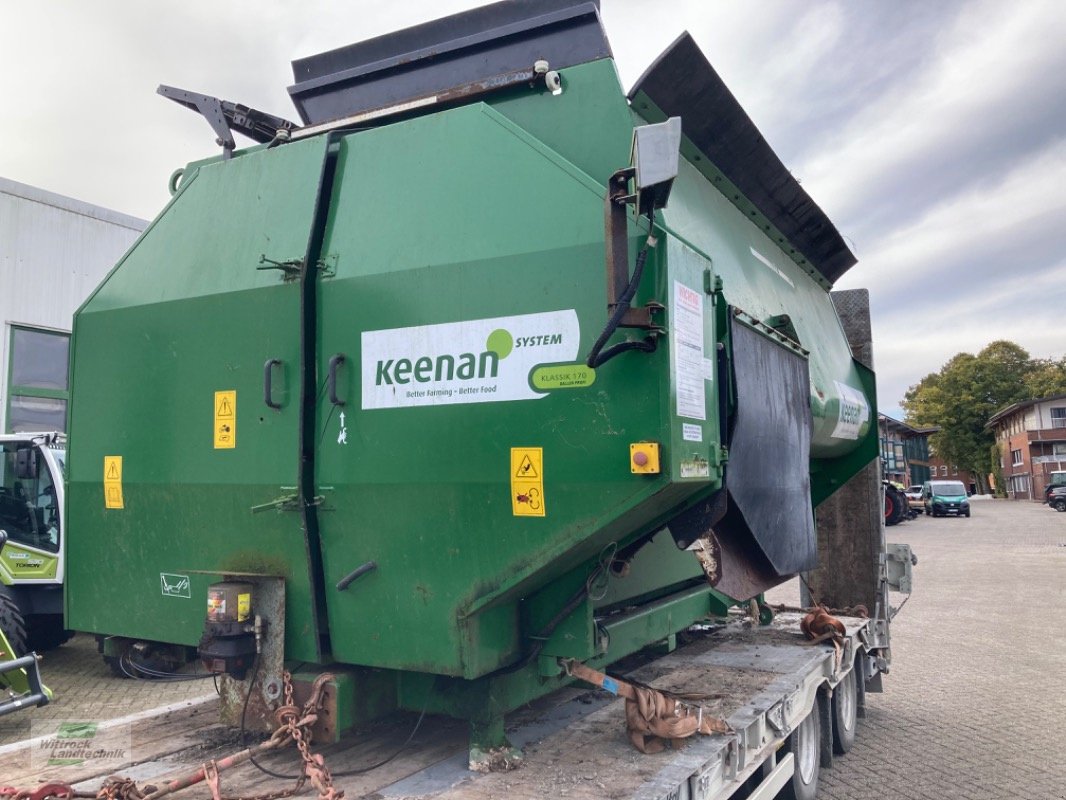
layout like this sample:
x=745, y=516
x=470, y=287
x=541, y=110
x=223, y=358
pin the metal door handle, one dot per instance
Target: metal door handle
x=334, y=363
x=358, y=572
x=268, y=375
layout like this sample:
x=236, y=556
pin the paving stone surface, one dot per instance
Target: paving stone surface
x=86, y=691
x=974, y=706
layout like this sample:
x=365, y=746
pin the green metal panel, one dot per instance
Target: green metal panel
x=507, y=231
x=592, y=100
x=458, y=290
x=759, y=275
x=185, y=314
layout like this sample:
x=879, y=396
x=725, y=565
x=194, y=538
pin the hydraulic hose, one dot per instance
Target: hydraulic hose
x=597, y=355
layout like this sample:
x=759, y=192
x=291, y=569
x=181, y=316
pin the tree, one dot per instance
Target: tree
x=1047, y=378
x=966, y=392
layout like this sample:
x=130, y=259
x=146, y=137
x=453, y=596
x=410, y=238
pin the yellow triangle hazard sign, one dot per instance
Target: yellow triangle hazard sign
x=526, y=469
x=224, y=408
x=112, y=472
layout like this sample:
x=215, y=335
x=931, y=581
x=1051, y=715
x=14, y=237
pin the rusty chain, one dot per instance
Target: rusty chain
x=294, y=724
x=298, y=729
x=116, y=788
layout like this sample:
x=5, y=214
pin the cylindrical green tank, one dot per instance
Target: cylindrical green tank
x=354, y=357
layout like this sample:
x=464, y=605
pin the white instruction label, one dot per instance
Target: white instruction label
x=687, y=328
x=708, y=369
x=691, y=433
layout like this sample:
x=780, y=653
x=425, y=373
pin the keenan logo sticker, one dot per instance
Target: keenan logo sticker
x=476, y=361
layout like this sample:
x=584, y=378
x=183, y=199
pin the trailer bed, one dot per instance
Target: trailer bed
x=763, y=680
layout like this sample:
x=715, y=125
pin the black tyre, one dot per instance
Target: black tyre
x=805, y=746
x=1060, y=505
x=860, y=684
x=13, y=625
x=895, y=505
x=47, y=633
x=890, y=507
x=845, y=713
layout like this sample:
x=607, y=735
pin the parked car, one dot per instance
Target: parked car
x=1057, y=498
x=941, y=498
x=914, y=497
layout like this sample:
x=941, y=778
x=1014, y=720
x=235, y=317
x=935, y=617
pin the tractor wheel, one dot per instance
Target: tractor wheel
x=890, y=507
x=13, y=625
x=47, y=633
x=895, y=505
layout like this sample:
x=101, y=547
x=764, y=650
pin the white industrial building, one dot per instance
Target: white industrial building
x=53, y=252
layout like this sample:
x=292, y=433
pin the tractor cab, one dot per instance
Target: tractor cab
x=32, y=563
x=30, y=486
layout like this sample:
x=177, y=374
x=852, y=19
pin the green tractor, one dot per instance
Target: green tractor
x=32, y=564
x=20, y=676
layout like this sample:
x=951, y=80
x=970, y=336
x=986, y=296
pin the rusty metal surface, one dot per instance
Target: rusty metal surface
x=324, y=728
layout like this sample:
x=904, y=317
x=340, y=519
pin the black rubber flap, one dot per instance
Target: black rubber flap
x=463, y=50
x=762, y=527
x=683, y=83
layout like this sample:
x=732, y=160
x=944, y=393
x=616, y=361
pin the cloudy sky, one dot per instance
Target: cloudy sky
x=932, y=133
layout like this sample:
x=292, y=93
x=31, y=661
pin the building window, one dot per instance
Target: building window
x=1058, y=417
x=954, y=469
x=1059, y=449
x=1015, y=458
x=37, y=380
x=943, y=470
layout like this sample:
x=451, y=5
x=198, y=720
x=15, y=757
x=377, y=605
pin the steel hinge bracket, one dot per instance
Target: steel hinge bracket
x=287, y=502
x=290, y=270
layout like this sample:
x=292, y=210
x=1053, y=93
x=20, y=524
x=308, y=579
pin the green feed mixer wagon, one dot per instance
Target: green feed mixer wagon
x=483, y=366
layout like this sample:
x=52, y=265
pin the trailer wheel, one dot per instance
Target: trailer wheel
x=13, y=625
x=845, y=713
x=805, y=746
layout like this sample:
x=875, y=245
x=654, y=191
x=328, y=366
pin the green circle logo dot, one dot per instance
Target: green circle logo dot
x=500, y=342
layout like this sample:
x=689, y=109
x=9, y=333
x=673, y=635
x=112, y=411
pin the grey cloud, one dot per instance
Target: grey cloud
x=921, y=127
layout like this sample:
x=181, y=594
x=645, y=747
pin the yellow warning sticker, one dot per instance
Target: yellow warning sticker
x=527, y=481
x=225, y=420
x=527, y=463
x=113, y=482
x=112, y=469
